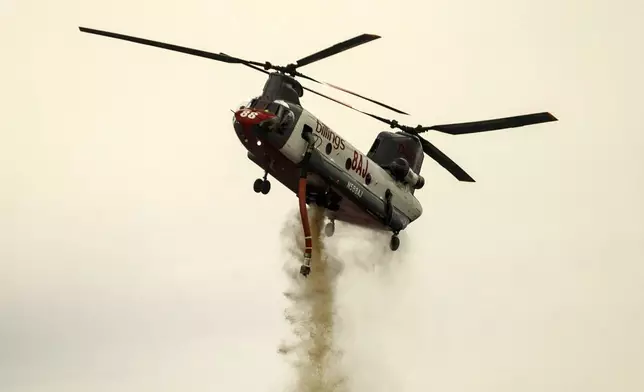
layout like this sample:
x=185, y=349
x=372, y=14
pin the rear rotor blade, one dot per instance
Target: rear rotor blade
x=337, y=48
x=492, y=125
x=445, y=161
x=176, y=48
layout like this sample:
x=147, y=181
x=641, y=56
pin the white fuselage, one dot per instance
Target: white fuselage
x=361, y=168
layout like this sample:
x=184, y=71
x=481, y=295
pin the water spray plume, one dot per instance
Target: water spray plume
x=311, y=312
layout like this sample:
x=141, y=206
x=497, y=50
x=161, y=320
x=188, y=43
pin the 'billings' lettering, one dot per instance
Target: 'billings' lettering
x=325, y=132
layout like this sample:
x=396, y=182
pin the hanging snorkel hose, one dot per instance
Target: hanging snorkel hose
x=305, y=269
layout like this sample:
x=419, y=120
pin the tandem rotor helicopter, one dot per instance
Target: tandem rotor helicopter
x=373, y=190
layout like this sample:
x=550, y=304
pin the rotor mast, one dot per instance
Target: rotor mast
x=284, y=87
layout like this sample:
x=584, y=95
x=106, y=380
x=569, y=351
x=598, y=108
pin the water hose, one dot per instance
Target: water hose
x=308, y=243
x=305, y=269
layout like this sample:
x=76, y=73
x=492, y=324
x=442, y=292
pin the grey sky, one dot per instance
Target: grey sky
x=135, y=256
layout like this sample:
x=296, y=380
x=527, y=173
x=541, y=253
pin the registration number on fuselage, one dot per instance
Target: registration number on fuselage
x=354, y=189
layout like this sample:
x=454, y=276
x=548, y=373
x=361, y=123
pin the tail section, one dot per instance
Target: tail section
x=402, y=155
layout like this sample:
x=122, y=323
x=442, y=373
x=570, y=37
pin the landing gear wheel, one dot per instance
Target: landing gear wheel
x=266, y=187
x=329, y=229
x=263, y=186
x=395, y=242
x=258, y=185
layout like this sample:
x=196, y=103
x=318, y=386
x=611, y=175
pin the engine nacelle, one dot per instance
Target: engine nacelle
x=403, y=173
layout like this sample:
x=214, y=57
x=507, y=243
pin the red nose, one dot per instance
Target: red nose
x=249, y=117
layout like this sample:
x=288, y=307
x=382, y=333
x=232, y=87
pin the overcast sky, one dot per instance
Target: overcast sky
x=134, y=255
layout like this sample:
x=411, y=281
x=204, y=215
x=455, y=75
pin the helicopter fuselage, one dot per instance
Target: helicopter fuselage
x=341, y=178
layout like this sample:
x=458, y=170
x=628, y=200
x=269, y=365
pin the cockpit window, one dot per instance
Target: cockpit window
x=259, y=104
x=274, y=107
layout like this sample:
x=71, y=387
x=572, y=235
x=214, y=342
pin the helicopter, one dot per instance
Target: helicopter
x=375, y=190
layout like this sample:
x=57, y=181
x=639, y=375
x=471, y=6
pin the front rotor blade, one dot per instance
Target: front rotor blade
x=176, y=48
x=249, y=65
x=352, y=93
x=445, y=161
x=334, y=100
x=328, y=97
x=368, y=99
x=347, y=105
x=492, y=125
x=384, y=120
x=337, y=48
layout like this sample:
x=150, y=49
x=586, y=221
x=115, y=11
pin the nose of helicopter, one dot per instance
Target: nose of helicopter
x=251, y=117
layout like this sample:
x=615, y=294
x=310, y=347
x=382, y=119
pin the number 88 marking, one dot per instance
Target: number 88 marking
x=248, y=113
